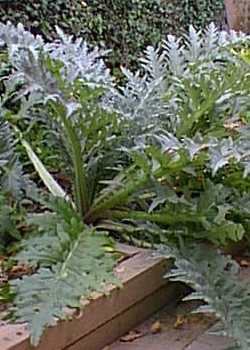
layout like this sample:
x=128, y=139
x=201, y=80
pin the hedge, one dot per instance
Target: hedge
x=124, y=26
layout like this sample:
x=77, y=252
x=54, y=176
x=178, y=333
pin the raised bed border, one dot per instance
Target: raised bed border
x=106, y=317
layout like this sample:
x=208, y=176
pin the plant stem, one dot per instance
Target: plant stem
x=119, y=198
x=162, y=218
x=80, y=183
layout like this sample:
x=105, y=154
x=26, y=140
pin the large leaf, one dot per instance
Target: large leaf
x=216, y=281
x=82, y=266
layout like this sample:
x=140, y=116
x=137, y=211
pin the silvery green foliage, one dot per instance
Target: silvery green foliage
x=71, y=262
x=197, y=46
x=216, y=281
x=141, y=98
x=220, y=152
x=149, y=94
x=64, y=80
x=27, y=54
x=79, y=61
x=12, y=179
x=153, y=93
x=17, y=37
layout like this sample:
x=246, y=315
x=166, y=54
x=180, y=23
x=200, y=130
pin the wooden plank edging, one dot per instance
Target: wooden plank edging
x=141, y=275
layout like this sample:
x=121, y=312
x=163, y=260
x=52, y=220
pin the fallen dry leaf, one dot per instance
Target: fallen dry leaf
x=19, y=270
x=244, y=263
x=131, y=336
x=156, y=327
x=180, y=321
x=241, y=261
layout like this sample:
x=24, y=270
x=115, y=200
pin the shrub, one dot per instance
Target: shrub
x=197, y=94
x=162, y=159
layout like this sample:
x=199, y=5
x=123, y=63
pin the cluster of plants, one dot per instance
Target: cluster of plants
x=126, y=27
x=162, y=161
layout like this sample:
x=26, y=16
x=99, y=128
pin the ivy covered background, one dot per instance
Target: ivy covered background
x=126, y=26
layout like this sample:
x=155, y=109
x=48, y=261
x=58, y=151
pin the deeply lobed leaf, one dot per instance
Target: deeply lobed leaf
x=216, y=281
x=72, y=263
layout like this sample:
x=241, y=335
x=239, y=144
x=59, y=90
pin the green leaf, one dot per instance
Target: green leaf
x=44, y=297
x=6, y=296
x=46, y=177
x=216, y=280
x=12, y=179
x=71, y=262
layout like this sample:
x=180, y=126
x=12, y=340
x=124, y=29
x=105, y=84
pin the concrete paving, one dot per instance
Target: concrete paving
x=177, y=330
x=172, y=329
